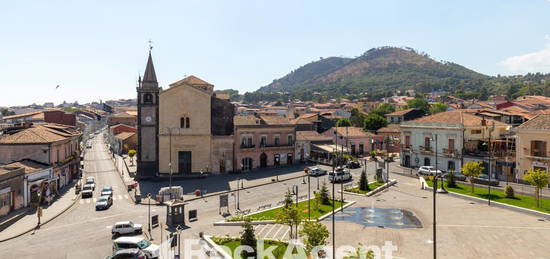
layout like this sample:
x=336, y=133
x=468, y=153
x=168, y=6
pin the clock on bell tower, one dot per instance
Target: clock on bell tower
x=147, y=123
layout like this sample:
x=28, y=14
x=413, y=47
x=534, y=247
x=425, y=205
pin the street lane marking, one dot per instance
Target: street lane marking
x=277, y=232
x=264, y=227
x=94, y=199
x=286, y=232
x=505, y=227
x=120, y=197
x=267, y=234
x=81, y=201
x=88, y=201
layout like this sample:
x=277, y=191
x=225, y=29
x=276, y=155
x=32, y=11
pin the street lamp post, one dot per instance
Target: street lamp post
x=333, y=197
x=434, y=234
x=308, y=194
x=238, y=195
x=149, y=217
x=170, y=157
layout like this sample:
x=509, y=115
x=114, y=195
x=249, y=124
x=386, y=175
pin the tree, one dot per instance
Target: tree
x=438, y=107
x=363, y=182
x=539, y=179
x=418, y=103
x=374, y=122
x=6, y=112
x=291, y=217
x=509, y=191
x=472, y=170
x=384, y=109
x=323, y=194
x=357, y=118
x=288, y=199
x=248, y=238
x=131, y=154
x=316, y=234
x=343, y=122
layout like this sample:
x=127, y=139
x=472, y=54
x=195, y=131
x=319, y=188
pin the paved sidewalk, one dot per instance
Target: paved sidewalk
x=29, y=222
x=126, y=170
x=216, y=184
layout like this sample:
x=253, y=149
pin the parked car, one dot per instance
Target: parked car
x=107, y=191
x=103, y=203
x=484, y=179
x=126, y=227
x=91, y=181
x=315, y=171
x=87, y=191
x=428, y=170
x=340, y=174
x=133, y=253
x=353, y=164
x=150, y=249
x=458, y=175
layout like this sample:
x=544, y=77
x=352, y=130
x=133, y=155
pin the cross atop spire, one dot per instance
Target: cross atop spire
x=150, y=45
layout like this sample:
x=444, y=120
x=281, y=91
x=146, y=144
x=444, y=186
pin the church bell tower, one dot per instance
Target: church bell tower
x=148, y=123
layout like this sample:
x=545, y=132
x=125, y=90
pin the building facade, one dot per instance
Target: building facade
x=450, y=139
x=263, y=141
x=196, y=129
x=11, y=193
x=533, y=145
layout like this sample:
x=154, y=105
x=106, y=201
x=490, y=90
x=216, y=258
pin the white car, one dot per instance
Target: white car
x=428, y=170
x=341, y=174
x=87, y=191
x=315, y=171
x=152, y=250
x=126, y=227
x=90, y=181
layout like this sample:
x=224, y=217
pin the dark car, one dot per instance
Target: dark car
x=484, y=179
x=353, y=165
x=132, y=253
x=457, y=175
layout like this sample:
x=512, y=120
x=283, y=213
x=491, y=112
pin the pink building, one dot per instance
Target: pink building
x=358, y=142
x=263, y=141
x=53, y=144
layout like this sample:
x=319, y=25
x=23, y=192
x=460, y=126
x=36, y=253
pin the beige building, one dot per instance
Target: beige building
x=533, y=145
x=195, y=129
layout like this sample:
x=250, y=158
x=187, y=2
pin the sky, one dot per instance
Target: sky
x=96, y=49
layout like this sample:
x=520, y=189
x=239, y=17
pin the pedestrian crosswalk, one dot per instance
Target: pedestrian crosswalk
x=115, y=197
x=272, y=231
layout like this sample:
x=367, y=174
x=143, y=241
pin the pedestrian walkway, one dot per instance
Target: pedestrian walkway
x=30, y=221
x=272, y=231
x=115, y=198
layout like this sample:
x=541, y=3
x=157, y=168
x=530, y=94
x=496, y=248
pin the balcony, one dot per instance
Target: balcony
x=247, y=146
x=451, y=152
x=538, y=154
x=476, y=153
x=279, y=146
x=426, y=150
x=406, y=148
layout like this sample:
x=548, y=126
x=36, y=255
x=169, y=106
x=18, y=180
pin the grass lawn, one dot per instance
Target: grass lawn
x=302, y=206
x=372, y=186
x=520, y=200
x=233, y=243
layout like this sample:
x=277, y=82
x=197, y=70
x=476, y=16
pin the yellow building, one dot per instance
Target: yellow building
x=533, y=145
x=195, y=129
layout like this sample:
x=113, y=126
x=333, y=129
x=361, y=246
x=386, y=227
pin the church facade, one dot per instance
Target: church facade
x=183, y=129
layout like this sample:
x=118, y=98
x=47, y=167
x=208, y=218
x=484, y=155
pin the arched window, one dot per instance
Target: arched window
x=148, y=98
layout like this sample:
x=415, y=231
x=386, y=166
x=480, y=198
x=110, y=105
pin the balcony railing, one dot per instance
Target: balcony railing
x=243, y=146
x=277, y=146
x=406, y=147
x=450, y=152
x=476, y=153
x=425, y=149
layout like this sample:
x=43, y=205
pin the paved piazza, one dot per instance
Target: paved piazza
x=465, y=229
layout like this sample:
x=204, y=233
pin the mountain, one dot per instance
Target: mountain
x=377, y=70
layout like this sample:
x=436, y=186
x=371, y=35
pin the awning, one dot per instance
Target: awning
x=328, y=148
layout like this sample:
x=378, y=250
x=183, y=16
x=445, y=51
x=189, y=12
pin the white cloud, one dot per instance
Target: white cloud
x=538, y=61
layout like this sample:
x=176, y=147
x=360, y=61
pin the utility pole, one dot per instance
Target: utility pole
x=333, y=198
x=434, y=203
